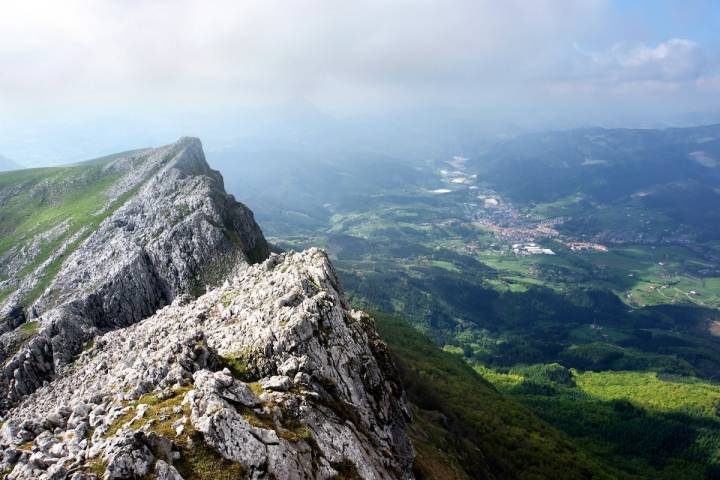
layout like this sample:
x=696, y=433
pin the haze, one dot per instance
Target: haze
x=88, y=77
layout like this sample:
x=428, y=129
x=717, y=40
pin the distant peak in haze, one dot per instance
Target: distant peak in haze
x=7, y=164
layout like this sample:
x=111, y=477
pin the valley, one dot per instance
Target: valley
x=515, y=286
x=385, y=240
x=517, y=332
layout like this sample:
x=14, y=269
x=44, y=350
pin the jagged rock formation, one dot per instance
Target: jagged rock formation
x=271, y=375
x=169, y=229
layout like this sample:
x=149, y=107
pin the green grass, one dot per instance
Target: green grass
x=6, y=292
x=649, y=425
x=28, y=330
x=586, y=333
x=466, y=425
x=45, y=198
x=445, y=265
x=59, y=194
x=198, y=461
x=654, y=392
x=237, y=365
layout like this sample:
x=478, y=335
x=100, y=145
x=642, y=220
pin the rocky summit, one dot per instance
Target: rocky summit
x=171, y=344
x=167, y=228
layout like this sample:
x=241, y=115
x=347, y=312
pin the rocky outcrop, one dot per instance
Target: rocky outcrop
x=270, y=375
x=176, y=231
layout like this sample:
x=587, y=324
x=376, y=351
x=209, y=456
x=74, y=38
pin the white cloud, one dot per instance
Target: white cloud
x=709, y=83
x=80, y=53
x=669, y=74
x=675, y=59
x=66, y=63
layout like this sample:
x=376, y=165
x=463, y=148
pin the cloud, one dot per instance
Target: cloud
x=79, y=53
x=64, y=64
x=709, y=83
x=674, y=60
x=675, y=74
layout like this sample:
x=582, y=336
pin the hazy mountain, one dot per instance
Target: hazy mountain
x=7, y=164
x=302, y=188
x=670, y=173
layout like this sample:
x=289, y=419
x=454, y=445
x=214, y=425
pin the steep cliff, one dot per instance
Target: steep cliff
x=161, y=225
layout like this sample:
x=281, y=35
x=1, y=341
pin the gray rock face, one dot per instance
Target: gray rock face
x=178, y=233
x=270, y=375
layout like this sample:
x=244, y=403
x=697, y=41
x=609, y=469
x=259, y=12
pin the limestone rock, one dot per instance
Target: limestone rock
x=270, y=375
x=177, y=234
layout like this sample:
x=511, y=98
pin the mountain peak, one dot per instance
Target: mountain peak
x=164, y=226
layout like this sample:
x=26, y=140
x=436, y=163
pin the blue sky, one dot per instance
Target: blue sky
x=70, y=69
x=657, y=20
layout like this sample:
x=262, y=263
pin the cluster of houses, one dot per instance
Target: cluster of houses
x=586, y=246
x=530, y=249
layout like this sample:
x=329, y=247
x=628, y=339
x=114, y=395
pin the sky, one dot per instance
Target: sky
x=73, y=71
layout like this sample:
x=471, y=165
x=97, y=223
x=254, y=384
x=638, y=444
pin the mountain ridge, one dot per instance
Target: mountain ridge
x=163, y=223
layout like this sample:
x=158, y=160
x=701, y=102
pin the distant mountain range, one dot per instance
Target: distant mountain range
x=611, y=176
x=602, y=163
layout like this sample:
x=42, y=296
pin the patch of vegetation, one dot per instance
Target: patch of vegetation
x=120, y=422
x=28, y=329
x=346, y=470
x=647, y=424
x=200, y=462
x=653, y=391
x=431, y=441
x=89, y=345
x=96, y=466
x=6, y=292
x=26, y=445
x=159, y=415
x=238, y=366
x=469, y=426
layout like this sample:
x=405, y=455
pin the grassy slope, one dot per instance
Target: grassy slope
x=465, y=428
x=60, y=193
x=43, y=198
x=651, y=425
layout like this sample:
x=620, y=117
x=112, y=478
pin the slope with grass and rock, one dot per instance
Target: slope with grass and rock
x=96, y=246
